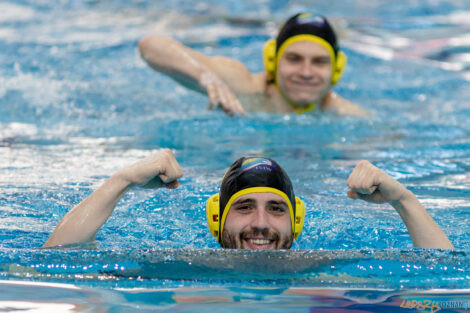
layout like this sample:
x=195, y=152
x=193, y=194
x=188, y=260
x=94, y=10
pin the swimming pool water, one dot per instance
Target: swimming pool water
x=77, y=103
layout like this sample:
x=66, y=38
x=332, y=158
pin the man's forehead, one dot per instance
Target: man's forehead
x=309, y=48
x=261, y=196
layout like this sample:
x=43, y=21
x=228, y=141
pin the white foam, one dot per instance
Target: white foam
x=444, y=203
x=41, y=91
x=38, y=284
x=36, y=307
x=87, y=161
x=15, y=129
x=83, y=27
x=14, y=12
x=458, y=18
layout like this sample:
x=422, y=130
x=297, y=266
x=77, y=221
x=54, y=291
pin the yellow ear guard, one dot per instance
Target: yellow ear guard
x=212, y=212
x=269, y=58
x=216, y=223
x=299, y=217
x=338, y=69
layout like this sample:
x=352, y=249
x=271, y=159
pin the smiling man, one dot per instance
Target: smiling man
x=248, y=227
x=301, y=66
x=256, y=207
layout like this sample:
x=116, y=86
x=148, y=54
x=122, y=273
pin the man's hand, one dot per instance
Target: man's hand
x=155, y=171
x=220, y=94
x=371, y=184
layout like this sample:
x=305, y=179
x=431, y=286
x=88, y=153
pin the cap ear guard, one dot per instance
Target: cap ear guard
x=341, y=61
x=269, y=58
x=212, y=212
x=299, y=217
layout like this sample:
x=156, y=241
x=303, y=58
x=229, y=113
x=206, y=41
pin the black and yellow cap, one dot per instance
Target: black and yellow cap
x=309, y=27
x=310, y=24
x=253, y=175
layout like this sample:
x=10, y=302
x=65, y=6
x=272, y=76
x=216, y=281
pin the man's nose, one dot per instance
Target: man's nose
x=260, y=219
x=306, y=70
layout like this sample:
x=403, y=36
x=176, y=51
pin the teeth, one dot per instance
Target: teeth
x=260, y=241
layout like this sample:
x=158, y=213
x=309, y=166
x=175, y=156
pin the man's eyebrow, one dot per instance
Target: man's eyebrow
x=292, y=53
x=244, y=201
x=280, y=202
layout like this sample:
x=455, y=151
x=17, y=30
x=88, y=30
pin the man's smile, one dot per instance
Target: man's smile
x=305, y=83
x=259, y=243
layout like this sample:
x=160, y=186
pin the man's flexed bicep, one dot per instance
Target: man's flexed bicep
x=82, y=223
x=369, y=183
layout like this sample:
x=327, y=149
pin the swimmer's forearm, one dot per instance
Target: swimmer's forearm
x=423, y=230
x=83, y=222
x=169, y=56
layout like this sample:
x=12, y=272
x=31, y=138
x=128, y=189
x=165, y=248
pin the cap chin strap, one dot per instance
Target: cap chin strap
x=216, y=223
x=271, y=61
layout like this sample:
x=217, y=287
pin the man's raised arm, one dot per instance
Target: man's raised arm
x=371, y=184
x=83, y=222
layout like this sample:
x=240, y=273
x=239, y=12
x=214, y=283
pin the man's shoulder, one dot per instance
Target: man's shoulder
x=260, y=82
x=237, y=76
x=343, y=106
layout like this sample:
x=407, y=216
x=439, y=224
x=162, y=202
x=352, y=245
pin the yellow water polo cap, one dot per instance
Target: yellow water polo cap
x=253, y=175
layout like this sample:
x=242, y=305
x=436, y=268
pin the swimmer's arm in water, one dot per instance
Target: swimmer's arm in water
x=371, y=184
x=82, y=223
x=220, y=78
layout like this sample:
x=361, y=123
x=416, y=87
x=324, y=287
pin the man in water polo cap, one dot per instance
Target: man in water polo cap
x=301, y=66
x=256, y=207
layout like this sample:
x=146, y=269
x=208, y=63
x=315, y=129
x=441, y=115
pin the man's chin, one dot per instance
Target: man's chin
x=303, y=101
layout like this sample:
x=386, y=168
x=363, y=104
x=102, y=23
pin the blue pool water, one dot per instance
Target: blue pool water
x=77, y=103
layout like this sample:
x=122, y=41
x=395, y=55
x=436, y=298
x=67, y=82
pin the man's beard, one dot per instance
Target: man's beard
x=229, y=240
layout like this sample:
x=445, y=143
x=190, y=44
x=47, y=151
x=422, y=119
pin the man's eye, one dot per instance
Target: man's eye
x=292, y=58
x=278, y=209
x=322, y=61
x=243, y=208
